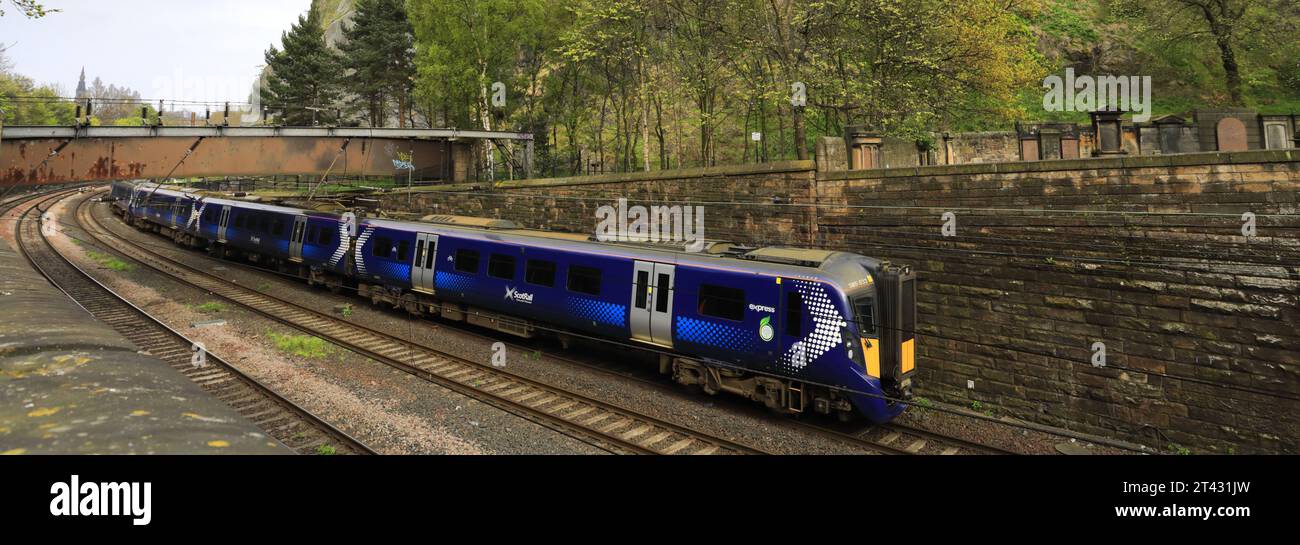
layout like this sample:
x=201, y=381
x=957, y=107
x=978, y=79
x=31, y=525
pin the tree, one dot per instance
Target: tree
x=32, y=9
x=608, y=39
x=1242, y=34
x=377, y=51
x=303, y=80
x=112, y=103
x=25, y=103
x=464, y=47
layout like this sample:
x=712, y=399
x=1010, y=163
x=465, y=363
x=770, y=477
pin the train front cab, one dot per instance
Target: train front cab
x=886, y=323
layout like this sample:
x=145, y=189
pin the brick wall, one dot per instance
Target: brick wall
x=1199, y=323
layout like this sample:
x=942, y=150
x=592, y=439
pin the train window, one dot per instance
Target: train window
x=641, y=287
x=722, y=302
x=540, y=272
x=907, y=323
x=403, y=250
x=664, y=289
x=239, y=221
x=467, y=261
x=382, y=247
x=326, y=237
x=263, y=223
x=501, y=266
x=429, y=253
x=584, y=280
x=310, y=237
x=794, y=314
x=277, y=225
x=865, y=309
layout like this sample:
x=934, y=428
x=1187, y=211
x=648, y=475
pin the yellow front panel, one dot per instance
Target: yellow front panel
x=909, y=355
x=872, y=352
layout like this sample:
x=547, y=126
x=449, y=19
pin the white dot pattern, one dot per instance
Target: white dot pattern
x=827, y=325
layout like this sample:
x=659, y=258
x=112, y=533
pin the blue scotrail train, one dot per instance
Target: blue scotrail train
x=795, y=329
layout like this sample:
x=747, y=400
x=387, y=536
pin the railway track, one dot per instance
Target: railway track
x=280, y=418
x=892, y=438
x=602, y=424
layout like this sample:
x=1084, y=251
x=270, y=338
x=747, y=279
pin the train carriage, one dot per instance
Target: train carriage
x=773, y=324
x=310, y=243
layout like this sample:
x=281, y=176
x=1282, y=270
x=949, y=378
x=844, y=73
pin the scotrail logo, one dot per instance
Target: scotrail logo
x=622, y=223
x=102, y=499
x=517, y=296
x=1087, y=94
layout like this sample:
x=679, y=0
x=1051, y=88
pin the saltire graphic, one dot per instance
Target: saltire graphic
x=197, y=206
x=361, y=254
x=345, y=241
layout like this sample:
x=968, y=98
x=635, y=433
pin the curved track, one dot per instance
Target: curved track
x=892, y=438
x=602, y=424
x=280, y=418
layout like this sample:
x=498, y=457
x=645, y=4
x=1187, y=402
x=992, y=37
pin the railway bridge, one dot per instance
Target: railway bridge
x=44, y=155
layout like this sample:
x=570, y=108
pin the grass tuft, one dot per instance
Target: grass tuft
x=210, y=307
x=109, y=261
x=305, y=346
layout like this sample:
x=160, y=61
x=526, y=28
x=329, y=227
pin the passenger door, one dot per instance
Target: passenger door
x=652, y=303
x=795, y=327
x=295, y=240
x=221, y=225
x=426, y=249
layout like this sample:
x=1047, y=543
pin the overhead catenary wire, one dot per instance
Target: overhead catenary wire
x=504, y=192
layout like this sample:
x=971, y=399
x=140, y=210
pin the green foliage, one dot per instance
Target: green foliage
x=25, y=103
x=109, y=262
x=1070, y=19
x=621, y=85
x=32, y=9
x=210, y=307
x=305, y=346
x=303, y=80
x=326, y=450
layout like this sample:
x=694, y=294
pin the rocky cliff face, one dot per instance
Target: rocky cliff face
x=336, y=13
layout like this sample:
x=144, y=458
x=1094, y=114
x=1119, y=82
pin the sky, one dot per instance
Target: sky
x=198, y=50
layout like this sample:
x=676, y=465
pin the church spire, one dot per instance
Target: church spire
x=81, y=85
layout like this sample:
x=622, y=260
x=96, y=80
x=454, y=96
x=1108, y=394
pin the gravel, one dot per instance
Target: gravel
x=392, y=412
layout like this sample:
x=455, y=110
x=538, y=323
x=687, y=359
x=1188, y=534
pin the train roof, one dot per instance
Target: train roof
x=838, y=267
x=175, y=191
